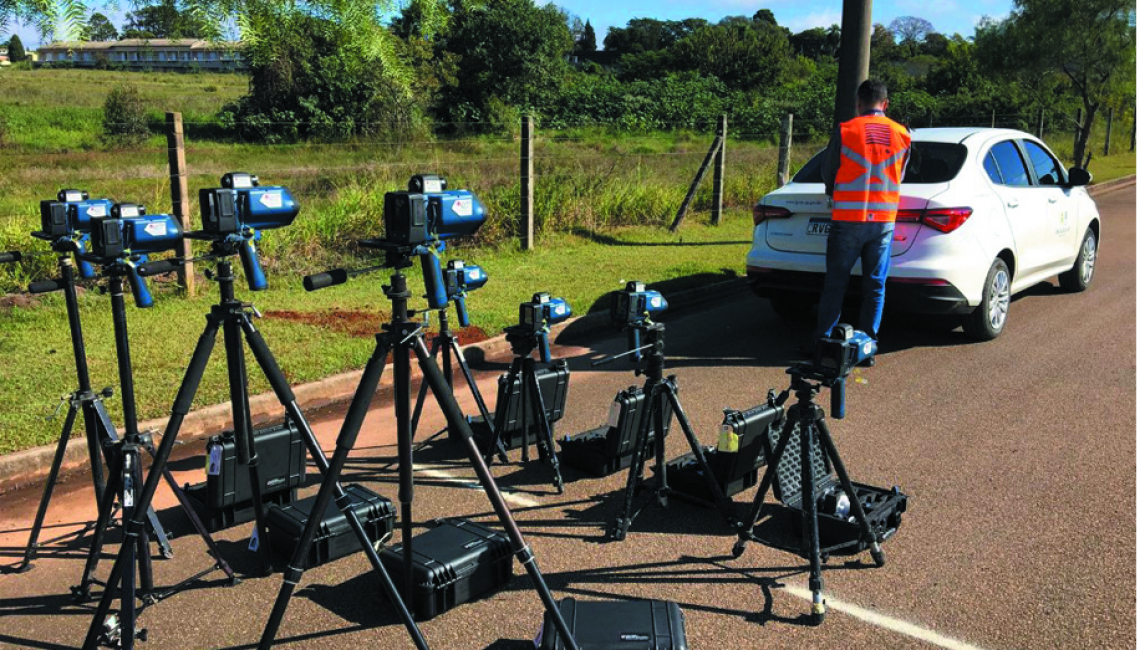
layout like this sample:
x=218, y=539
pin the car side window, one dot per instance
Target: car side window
x=1047, y=168
x=992, y=169
x=1013, y=170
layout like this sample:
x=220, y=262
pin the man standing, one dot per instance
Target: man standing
x=862, y=171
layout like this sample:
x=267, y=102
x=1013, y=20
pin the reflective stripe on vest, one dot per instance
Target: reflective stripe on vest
x=874, y=150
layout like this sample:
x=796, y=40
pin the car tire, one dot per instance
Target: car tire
x=792, y=308
x=988, y=320
x=1078, y=278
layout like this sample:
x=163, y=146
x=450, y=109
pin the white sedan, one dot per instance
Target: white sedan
x=984, y=214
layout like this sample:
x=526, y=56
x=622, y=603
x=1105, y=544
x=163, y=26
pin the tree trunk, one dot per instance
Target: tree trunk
x=1083, y=136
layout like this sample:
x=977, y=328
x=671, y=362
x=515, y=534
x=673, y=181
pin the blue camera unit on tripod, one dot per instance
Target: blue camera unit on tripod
x=536, y=317
x=127, y=236
x=66, y=223
x=239, y=210
x=460, y=278
x=636, y=305
x=836, y=356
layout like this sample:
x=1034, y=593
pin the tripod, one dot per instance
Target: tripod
x=448, y=343
x=233, y=317
x=523, y=342
x=808, y=418
x=661, y=403
x=402, y=337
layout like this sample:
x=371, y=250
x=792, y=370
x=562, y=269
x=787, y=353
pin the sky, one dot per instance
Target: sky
x=947, y=16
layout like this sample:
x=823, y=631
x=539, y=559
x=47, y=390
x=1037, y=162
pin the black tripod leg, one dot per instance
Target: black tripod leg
x=744, y=528
x=243, y=432
x=285, y=395
x=422, y=396
x=199, y=527
x=545, y=433
x=53, y=475
x=810, y=520
x=129, y=553
x=501, y=413
x=661, y=418
x=350, y=429
x=856, y=505
x=133, y=526
x=142, y=546
x=455, y=418
x=723, y=501
x=402, y=369
x=94, y=453
x=82, y=592
x=470, y=378
x=624, y=520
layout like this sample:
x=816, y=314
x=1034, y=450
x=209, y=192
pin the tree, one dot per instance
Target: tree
x=164, y=20
x=588, y=42
x=1090, y=45
x=512, y=55
x=649, y=34
x=99, y=28
x=910, y=29
x=750, y=55
x=764, y=16
x=816, y=43
x=16, y=51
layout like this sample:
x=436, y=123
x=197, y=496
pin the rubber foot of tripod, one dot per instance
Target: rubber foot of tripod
x=738, y=548
x=618, y=530
x=23, y=568
x=80, y=594
x=167, y=553
x=817, y=618
x=559, y=486
x=879, y=558
x=233, y=582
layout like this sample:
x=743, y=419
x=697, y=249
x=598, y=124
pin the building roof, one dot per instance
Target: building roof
x=133, y=43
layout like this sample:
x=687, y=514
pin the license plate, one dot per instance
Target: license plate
x=819, y=228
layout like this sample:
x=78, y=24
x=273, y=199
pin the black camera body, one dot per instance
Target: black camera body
x=836, y=355
x=242, y=203
x=429, y=212
x=636, y=306
x=129, y=230
x=70, y=213
x=543, y=311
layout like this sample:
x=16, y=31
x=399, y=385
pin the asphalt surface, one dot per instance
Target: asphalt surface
x=1018, y=455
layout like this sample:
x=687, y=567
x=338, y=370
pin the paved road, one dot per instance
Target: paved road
x=1019, y=456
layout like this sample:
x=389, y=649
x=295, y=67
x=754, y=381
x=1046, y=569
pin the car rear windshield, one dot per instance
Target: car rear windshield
x=930, y=162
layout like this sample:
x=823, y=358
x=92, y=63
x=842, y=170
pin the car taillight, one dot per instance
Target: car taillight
x=908, y=216
x=946, y=219
x=762, y=212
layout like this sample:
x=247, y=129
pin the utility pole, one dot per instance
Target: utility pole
x=854, y=56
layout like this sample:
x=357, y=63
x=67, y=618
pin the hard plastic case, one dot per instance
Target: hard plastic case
x=281, y=465
x=216, y=519
x=554, y=384
x=735, y=460
x=618, y=625
x=453, y=563
x=609, y=448
x=334, y=538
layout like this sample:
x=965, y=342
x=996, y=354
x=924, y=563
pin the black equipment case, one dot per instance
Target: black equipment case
x=453, y=563
x=553, y=383
x=334, y=538
x=618, y=625
x=608, y=448
x=225, y=498
x=884, y=507
x=736, y=459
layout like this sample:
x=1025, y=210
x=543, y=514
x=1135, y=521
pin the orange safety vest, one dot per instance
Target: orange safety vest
x=871, y=167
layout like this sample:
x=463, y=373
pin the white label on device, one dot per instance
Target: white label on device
x=615, y=414
x=98, y=210
x=655, y=301
x=73, y=196
x=462, y=207
x=214, y=468
x=559, y=310
x=271, y=199
x=431, y=186
x=156, y=229
x=128, y=210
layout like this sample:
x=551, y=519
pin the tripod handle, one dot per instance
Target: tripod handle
x=45, y=286
x=461, y=311
x=11, y=256
x=839, y=399
x=633, y=337
x=251, y=263
x=86, y=269
x=139, y=290
x=148, y=269
x=433, y=280
x=326, y=279
x=544, y=347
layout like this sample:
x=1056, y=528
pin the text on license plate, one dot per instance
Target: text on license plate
x=819, y=227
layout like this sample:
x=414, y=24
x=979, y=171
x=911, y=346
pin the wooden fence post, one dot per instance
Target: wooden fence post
x=180, y=195
x=1132, y=143
x=993, y=118
x=785, y=163
x=717, y=142
x=1108, y=130
x=1041, y=124
x=526, y=177
x=718, y=171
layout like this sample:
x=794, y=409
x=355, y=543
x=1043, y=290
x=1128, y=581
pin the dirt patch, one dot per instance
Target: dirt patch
x=21, y=300
x=361, y=324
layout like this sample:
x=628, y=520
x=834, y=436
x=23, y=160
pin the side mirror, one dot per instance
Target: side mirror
x=1079, y=176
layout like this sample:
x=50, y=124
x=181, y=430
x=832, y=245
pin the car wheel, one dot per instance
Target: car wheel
x=791, y=308
x=989, y=318
x=1079, y=277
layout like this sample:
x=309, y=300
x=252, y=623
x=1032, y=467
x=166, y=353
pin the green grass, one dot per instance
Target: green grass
x=581, y=267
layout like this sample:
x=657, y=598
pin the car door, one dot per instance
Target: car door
x=1059, y=236
x=1023, y=209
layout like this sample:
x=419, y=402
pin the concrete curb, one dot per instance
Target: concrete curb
x=32, y=465
x=1114, y=184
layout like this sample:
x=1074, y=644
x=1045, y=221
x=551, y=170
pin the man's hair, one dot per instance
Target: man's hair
x=872, y=91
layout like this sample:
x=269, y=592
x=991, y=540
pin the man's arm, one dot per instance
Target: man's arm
x=830, y=165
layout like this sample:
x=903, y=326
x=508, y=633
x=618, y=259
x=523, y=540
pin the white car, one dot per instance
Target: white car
x=984, y=214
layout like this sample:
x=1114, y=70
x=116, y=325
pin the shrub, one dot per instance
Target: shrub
x=124, y=116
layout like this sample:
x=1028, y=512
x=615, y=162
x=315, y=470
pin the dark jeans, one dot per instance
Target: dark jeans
x=848, y=242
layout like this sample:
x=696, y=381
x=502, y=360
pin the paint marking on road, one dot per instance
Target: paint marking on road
x=886, y=622
x=518, y=500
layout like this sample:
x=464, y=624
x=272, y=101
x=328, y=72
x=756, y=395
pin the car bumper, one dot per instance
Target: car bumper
x=914, y=295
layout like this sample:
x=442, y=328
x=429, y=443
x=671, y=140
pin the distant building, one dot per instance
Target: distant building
x=4, y=60
x=139, y=54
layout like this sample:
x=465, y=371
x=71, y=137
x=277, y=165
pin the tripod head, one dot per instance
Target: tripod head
x=808, y=381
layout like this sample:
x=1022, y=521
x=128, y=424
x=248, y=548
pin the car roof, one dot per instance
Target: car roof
x=962, y=133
